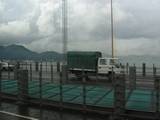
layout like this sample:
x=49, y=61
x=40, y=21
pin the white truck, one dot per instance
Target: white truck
x=92, y=62
x=107, y=65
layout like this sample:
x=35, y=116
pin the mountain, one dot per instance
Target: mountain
x=17, y=52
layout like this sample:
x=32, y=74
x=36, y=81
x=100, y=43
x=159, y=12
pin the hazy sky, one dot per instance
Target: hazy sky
x=37, y=25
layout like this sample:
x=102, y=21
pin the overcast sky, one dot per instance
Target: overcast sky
x=36, y=24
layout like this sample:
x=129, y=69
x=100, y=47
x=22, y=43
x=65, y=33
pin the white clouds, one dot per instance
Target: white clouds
x=138, y=46
x=46, y=17
x=142, y=20
x=86, y=18
x=15, y=28
x=15, y=20
x=38, y=23
x=120, y=14
x=44, y=44
x=1, y=6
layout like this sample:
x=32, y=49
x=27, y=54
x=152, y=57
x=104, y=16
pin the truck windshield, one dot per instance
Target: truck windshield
x=114, y=62
x=103, y=62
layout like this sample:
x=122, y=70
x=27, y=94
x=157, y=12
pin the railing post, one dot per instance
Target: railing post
x=64, y=73
x=46, y=67
x=135, y=76
x=112, y=76
x=23, y=86
x=127, y=68
x=16, y=68
x=154, y=76
x=132, y=77
x=22, y=77
x=18, y=65
x=157, y=88
x=84, y=90
x=52, y=73
x=119, y=96
x=0, y=83
x=26, y=66
x=37, y=66
x=144, y=69
x=61, y=91
x=30, y=71
x=58, y=66
x=154, y=70
x=97, y=77
x=9, y=71
x=40, y=84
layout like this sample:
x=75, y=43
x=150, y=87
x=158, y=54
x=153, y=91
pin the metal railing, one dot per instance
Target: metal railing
x=136, y=90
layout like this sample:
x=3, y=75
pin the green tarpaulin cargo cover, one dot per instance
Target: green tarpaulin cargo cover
x=83, y=60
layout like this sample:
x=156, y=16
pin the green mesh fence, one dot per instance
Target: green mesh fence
x=140, y=100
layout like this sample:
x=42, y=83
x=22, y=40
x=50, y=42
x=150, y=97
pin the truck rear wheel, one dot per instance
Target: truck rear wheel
x=79, y=76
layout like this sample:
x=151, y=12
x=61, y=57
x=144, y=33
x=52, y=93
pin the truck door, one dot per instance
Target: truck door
x=102, y=66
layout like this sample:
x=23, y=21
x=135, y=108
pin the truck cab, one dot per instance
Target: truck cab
x=107, y=65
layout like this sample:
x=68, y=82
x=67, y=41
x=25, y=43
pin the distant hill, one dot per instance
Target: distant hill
x=17, y=52
x=138, y=60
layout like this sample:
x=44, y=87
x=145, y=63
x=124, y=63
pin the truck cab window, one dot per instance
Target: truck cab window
x=112, y=62
x=103, y=62
x=115, y=62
